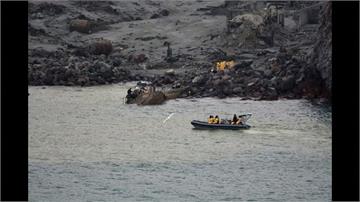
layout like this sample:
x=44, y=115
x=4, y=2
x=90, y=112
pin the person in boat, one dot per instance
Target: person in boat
x=225, y=121
x=131, y=94
x=234, y=120
x=240, y=120
x=211, y=119
x=216, y=119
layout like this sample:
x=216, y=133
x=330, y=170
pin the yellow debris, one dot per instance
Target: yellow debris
x=220, y=66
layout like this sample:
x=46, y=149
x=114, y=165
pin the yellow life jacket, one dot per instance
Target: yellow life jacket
x=221, y=65
x=230, y=64
x=210, y=120
x=216, y=120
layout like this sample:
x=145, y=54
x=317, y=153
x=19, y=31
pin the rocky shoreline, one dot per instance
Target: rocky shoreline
x=70, y=46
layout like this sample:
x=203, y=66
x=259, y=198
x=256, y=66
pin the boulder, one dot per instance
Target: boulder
x=237, y=90
x=82, y=26
x=154, y=16
x=164, y=12
x=199, y=79
x=101, y=46
x=250, y=84
x=170, y=72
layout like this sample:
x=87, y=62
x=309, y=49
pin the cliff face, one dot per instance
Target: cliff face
x=320, y=59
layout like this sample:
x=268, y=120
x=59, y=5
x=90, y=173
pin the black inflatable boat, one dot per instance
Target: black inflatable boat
x=206, y=125
x=226, y=126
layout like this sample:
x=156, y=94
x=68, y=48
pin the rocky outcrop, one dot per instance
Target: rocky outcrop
x=148, y=96
x=153, y=98
x=145, y=97
x=321, y=56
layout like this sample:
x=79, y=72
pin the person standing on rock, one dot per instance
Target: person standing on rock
x=169, y=51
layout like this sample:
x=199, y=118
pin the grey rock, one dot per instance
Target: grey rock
x=103, y=67
x=251, y=84
x=267, y=73
x=238, y=90
x=198, y=79
x=255, y=80
x=257, y=73
x=170, y=72
x=101, y=46
x=274, y=81
x=80, y=25
x=154, y=16
x=164, y=12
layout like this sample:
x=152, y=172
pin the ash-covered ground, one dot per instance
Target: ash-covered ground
x=280, y=49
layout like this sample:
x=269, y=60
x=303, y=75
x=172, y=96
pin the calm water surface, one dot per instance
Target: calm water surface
x=86, y=145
